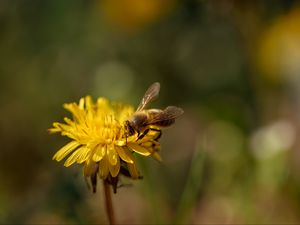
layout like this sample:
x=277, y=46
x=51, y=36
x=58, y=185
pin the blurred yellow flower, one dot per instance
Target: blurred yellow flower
x=133, y=14
x=100, y=140
x=278, y=52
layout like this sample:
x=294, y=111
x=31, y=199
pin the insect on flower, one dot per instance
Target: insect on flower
x=145, y=120
x=105, y=136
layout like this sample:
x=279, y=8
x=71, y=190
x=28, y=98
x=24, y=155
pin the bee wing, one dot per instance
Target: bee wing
x=171, y=112
x=149, y=96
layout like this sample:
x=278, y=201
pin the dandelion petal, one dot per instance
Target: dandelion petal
x=73, y=158
x=89, y=168
x=124, y=154
x=156, y=156
x=115, y=169
x=133, y=170
x=139, y=149
x=64, y=151
x=112, y=155
x=83, y=154
x=103, y=168
x=99, y=153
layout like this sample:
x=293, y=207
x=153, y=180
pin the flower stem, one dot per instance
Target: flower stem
x=108, y=203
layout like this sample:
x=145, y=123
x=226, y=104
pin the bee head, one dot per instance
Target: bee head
x=130, y=129
x=136, y=123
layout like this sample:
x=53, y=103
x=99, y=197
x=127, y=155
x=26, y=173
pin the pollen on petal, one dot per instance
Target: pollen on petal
x=64, y=151
x=139, y=149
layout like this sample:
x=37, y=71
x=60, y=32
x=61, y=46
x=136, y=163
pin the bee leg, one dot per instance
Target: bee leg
x=147, y=131
x=143, y=134
x=159, y=133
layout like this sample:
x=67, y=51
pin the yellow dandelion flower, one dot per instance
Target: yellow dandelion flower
x=100, y=140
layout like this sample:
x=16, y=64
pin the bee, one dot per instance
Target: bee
x=144, y=120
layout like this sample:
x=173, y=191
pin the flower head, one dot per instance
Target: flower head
x=100, y=140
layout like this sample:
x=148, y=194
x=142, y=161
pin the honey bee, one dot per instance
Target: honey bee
x=143, y=120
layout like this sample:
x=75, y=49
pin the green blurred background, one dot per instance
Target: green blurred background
x=232, y=65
